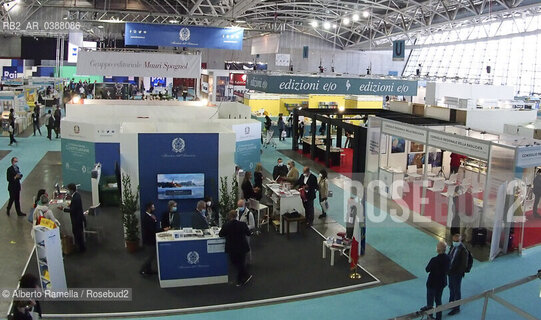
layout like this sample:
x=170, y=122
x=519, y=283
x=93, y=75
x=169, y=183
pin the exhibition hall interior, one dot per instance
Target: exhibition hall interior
x=241, y=159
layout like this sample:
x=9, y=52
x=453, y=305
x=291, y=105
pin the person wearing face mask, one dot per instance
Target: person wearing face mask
x=77, y=217
x=437, y=277
x=292, y=173
x=149, y=227
x=459, y=262
x=212, y=216
x=199, y=220
x=323, y=186
x=279, y=170
x=14, y=176
x=308, y=182
x=171, y=218
x=245, y=215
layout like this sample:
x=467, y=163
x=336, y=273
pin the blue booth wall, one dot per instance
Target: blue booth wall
x=108, y=154
x=157, y=155
x=248, y=154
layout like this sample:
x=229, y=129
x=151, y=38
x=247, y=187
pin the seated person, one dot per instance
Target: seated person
x=42, y=210
x=199, y=220
x=171, y=218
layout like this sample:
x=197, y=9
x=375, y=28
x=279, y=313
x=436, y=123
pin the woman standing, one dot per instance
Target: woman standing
x=281, y=128
x=323, y=186
x=248, y=190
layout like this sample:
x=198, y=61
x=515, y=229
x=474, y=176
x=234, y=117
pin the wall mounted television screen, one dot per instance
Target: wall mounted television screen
x=181, y=186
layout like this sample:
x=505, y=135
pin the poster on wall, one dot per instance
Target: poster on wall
x=266, y=44
x=416, y=147
x=248, y=145
x=78, y=159
x=115, y=91
x=139, y=64
x=398, y=144
x=282, y=60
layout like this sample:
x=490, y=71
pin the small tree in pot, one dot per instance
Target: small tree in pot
x=128, y=207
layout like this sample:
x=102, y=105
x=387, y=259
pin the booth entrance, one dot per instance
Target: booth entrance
x=456, y=180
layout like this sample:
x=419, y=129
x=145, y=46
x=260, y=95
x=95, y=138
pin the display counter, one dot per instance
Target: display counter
x=189, y=257
x=284, y=201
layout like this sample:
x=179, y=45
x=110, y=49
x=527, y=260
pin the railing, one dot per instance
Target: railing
x=489, y=294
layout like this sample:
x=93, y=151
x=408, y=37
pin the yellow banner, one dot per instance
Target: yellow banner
x=47, y=223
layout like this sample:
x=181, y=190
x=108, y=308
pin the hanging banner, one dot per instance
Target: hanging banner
x=139, y=64
x=75, y=41
x=399, y=50
x=237, y=79
x=405, y=131
x=529, y=157
x=451, y=142
x=282, y=60
x=142, y=34
x=290, y=84
x=266, y=45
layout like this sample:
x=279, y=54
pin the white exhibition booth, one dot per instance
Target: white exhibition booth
x=401, y=156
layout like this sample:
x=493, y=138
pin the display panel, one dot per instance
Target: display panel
x=181, y=186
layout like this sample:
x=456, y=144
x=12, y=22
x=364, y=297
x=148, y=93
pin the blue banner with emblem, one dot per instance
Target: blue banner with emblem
x=399, y=50
x=142, y=34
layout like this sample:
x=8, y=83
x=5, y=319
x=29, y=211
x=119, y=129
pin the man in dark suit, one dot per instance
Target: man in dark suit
x=308, y=181
x=149, y=228
x=459, y=263
x=14, y=176
x=57, y=116
x=199, y=220
x=236, y=245
x=280, y=170
x=437, y=277
x=77, y=217
x=171, y=218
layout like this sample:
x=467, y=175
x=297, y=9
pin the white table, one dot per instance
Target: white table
x=284, y=202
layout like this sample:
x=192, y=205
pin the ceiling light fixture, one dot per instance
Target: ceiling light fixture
x=173, y=21
x=326, y=25
x=345, y=21
x=334, y=26
x=355, y=17
x=240, y=21
x=366, y=14
x=314, y=23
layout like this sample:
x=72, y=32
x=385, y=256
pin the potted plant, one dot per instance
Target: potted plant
x=228, y=197
x=128, y=207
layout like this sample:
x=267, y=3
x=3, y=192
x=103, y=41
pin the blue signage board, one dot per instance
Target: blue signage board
x=9, y=73
x=399, y=50
x=286, y=84
x=78, y=159
x=142, y=34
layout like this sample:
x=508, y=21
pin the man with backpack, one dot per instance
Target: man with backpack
x=461, y=263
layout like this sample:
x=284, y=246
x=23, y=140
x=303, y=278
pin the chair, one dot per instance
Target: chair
x=253, y=204
x=412, y=172
x=92, y=228
x=452, y=179
x=450, y=191
x=438, y=186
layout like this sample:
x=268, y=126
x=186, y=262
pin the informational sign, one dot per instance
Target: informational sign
x=282, y=60
x=141, y=34
x=140, y=64
x=75, y=41
x=374, y=140
x=78, y=158
x=529, y=157
x=248, y=145
x=9, y=73
x=158, y=81
x=237, y=79
x=266, y=45
x=399, y=50
x=290, y=84
x=451, y=142
x=205, y=87
x=405, y=131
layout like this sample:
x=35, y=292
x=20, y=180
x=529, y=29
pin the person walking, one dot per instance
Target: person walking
x=236, y=245
x=437, y=270
x=35, y=120
x=11, y=127
x=50, y=124
x=77, y=217
x=308, y=182
x=458, y=256
x=57, y=116
x=323, y=186
x=537, y=193
x=149, y=228
x=14, y=176
x=281, y=128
